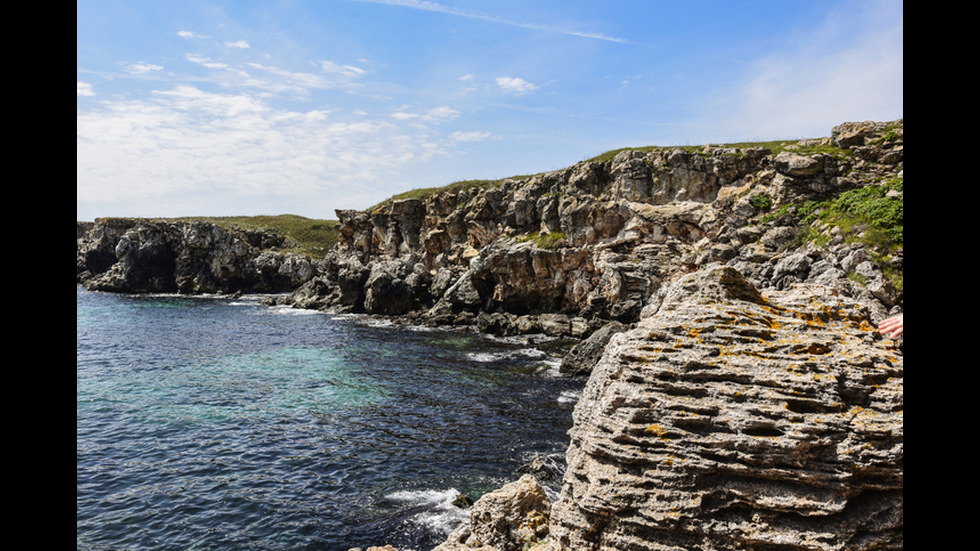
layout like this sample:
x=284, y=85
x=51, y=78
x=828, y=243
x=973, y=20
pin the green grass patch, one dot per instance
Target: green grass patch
x=873, y=216
x=543, y=240
x=775, y=147
x=461, y=185
x=761, y=201
x=311, y=236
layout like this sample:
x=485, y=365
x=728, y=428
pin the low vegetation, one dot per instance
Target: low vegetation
x=462, y=185
x=803, y=147
x=311, y=236
x=543, y=240
x=872, y=215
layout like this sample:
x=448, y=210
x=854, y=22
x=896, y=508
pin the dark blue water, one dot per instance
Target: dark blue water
x=217, y=423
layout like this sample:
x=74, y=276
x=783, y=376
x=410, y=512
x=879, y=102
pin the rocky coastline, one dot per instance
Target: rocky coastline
x=738, y=397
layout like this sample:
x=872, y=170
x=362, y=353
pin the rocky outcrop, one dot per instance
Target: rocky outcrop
x=595, y=242
x=733, y=418
x=738, y=395
x=509, y=519
x=152, y=256
x=739, y=419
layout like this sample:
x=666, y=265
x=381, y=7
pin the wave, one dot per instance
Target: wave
x=432, y=510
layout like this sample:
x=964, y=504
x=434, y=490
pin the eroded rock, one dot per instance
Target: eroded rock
x=735, y=419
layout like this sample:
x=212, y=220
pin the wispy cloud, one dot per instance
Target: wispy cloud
x=848, y=68
x=186, y=149
x=84, y=89
x=472, y=136
x=425, y=5
x=515, y=85
x=438, y=114
x=239, y=44
x=142, y=68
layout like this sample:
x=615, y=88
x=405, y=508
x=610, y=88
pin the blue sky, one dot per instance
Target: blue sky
x=246, y=107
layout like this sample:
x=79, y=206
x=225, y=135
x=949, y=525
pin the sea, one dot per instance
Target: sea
x=217, y=423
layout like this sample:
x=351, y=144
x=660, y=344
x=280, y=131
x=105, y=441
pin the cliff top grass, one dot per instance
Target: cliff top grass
x=461, y=185
x=803, y=147
x=312, y=237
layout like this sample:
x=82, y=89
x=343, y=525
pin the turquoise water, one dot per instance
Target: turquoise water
x=216, y=423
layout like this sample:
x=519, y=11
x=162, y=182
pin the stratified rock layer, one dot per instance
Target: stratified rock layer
x=733, y=419
x=132, y=255
x=595, y=241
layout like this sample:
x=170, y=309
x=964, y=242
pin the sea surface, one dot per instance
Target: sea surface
x=210, y=423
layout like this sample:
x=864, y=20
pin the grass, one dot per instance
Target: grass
x=873, y=216
x=544, y=240
x=312, y=237
x=461, y=185
x=774, y=146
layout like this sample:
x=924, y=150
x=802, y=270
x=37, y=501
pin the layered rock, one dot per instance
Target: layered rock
x=596, y=241
x=153, y=256
x=739, y=419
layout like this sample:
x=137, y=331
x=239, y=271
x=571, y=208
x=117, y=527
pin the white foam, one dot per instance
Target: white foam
x=438, y=514
x=523, y=353
x=569, y=396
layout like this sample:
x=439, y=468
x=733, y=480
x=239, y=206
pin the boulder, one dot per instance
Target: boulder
x=739, y=419
x=512, y=518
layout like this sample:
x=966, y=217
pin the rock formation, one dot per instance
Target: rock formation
x=569, y=251
x=735, y=419
x=738, y=397
x=509, y=519
x=153, y=256
x=730, y=418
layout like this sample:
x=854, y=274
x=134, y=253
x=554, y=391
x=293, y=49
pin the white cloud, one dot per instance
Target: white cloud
x=472, y=136
x=84, y=89
x=141, y=68
x=188, y=34
x=515, y=85
x=205, y=61
x=343, y=70
x=186, y=150
x=437, y=114
x=848, y=68
x=240, y=44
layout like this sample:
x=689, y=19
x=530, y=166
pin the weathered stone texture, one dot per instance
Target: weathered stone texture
x=735, y=419
x=155, y=256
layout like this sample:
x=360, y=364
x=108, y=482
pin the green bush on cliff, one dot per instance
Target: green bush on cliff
x=543, y=240
x=872, y=215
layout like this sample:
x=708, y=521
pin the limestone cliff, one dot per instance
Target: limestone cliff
x=728, y=419
x=154, y=256
x=736, y=419
x=569, y=251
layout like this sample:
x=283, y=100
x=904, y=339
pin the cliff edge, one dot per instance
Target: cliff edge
x=569, y=251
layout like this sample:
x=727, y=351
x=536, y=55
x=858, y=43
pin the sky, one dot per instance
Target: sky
x=248, y=107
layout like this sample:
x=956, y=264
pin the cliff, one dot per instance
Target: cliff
x=568, y=251
x=739, y=396
x=159, y=256
x=728, y=419
x=725, y=297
